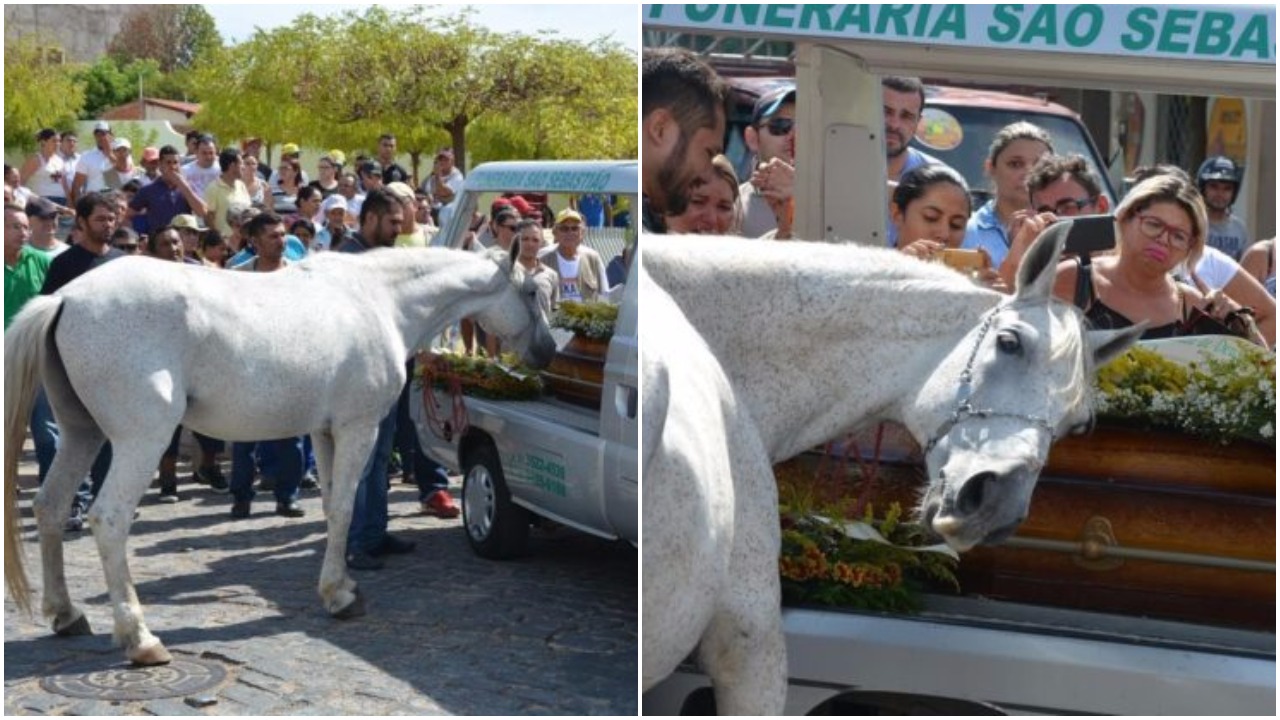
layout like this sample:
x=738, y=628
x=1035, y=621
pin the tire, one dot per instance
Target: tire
x=497, y=528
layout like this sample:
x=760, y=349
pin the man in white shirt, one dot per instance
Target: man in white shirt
x=203, y=171
x=93, y=164
x=582, y=272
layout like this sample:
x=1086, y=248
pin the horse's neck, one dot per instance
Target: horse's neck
x=428, y=291
x=816, y=348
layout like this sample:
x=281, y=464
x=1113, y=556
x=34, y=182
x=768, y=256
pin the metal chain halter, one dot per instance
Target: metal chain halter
x=965, y=409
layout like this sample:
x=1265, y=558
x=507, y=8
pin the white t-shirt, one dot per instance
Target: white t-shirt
x=569, y=289
x=91, y=165
x=1216, y=268
x=200, y=178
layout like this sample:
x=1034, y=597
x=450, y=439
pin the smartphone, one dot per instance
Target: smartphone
x=1089, y=234
x=964, y=260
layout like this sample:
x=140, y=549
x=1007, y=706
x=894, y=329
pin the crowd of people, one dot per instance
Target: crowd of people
x=67, y=213
x=1179, y=251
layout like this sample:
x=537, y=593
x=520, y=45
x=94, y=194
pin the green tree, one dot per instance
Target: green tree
x=172, y=35
x=107, y=84
x=37, y=93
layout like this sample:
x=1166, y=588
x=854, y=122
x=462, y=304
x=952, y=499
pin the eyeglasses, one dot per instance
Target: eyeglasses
x=780, y=126
x=1068, y=206
x=1153, y=227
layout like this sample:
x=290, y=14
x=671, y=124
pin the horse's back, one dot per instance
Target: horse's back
x=239, y=353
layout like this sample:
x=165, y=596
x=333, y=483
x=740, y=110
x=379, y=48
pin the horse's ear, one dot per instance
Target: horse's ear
x=1107, y=345
x=1040, y=264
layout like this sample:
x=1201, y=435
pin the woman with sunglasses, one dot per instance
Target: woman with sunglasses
x=1161, y=224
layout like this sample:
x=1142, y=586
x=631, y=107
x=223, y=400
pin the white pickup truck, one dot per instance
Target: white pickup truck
x=546, y=459
x=985, y=653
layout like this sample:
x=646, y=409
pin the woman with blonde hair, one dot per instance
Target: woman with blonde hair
x=1161, y=224
x=713, y=205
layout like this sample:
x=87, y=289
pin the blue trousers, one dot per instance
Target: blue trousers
x=428, y=474
x=286, y=468
x=369, y=515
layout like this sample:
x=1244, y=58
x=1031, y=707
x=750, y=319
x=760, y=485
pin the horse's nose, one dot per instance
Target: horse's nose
x=973, y=492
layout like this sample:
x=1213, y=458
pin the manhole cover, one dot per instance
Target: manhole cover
x=184, y=676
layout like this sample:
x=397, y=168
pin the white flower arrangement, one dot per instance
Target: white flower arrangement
x=1221, y=398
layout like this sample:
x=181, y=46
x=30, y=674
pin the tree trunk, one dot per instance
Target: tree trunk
x=458, y=133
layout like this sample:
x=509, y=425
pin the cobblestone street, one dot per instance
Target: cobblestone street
x=446, y=632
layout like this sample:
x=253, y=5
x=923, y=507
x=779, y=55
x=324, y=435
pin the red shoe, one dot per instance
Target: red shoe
x=440, y=504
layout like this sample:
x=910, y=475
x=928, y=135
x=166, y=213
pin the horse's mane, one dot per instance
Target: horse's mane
x=405, y=263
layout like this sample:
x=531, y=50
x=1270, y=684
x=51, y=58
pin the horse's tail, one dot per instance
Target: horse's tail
x=24, y=343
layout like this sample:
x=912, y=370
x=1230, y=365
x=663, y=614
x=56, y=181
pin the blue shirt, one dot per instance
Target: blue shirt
x=915, y=159
x=161, y=203
x=592, y=209
x=987, y=232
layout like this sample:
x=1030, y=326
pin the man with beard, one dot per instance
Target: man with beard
x=771, y=136
x=682, y=128
x=381, y=221
x=1219, y=182
x=903, y=105
x=169, y=196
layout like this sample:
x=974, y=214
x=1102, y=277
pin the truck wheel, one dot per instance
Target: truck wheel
x=496, y=527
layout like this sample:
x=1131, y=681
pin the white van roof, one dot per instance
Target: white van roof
x=556, y=176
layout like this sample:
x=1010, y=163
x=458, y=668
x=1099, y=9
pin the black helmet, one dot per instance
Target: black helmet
x=1222, y=168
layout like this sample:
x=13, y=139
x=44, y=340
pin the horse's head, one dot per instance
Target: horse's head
x=517, y=317
x=1016, y=382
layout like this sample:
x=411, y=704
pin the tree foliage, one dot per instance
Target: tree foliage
x=108, y=84
x=341, y=81
x=172, y=35
x=37, y=93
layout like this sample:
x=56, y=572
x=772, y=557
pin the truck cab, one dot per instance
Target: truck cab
x=545, y=460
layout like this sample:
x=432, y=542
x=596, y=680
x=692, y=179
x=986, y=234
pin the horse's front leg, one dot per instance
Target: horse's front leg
x=349, y=447
x=744, y=650
x=110, y=518
x=78, y=448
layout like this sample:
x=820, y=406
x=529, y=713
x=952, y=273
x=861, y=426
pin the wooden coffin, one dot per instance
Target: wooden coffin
x=1132, y=522
x=576, y=373
x=1151, y=524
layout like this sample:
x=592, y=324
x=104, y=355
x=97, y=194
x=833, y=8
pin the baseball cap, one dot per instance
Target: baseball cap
x=524, y=207
x=337, y=157
x=38, y=207
x=186, y=222
x=333, y=202
x=121, y=143
x=568, y=215
x=150, y=153
x=498, y=204
x=769, y=103
x=401, y=191
x=102, y=126
x=289, y=149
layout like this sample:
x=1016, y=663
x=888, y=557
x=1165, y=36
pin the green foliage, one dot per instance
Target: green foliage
x=589, y=319
x=174, y=36
x=429, y=78
x=1221, y=398
x=822, y=562
x=502, y=379
x=108, y=84
x=37, y=94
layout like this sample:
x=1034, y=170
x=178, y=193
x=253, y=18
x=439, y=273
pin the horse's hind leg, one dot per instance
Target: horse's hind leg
x=111, y=517
x=78, y=448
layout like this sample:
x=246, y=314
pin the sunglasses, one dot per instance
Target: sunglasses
x=780, y=126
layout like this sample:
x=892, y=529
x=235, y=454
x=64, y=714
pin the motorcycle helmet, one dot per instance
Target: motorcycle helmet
x=1219, y=167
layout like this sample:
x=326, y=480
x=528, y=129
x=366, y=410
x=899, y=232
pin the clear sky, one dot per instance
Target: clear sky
x=236, y=22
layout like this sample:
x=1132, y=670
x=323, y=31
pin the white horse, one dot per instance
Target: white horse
x=754, y=352
x=132, y=349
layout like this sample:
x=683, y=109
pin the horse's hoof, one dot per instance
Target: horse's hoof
x=354, y=609
x=148, y=655
x=79, y=627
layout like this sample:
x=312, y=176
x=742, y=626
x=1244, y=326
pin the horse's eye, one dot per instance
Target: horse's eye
x=1009, y=342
